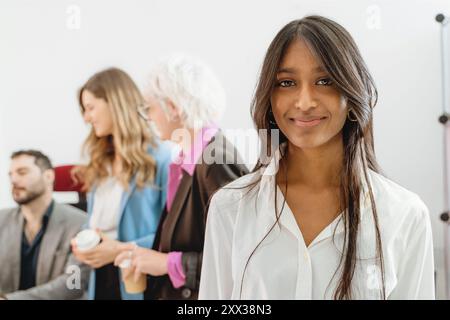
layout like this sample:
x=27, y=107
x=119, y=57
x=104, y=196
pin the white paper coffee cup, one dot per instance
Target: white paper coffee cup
x=87, y=239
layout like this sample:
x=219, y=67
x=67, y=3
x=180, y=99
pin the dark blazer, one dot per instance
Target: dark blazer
x=183, y=227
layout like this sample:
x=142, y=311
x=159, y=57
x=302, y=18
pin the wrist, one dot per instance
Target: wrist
x=117, y=248
x=164, y=263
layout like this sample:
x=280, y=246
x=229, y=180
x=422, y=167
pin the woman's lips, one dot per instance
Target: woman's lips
x=307, y=123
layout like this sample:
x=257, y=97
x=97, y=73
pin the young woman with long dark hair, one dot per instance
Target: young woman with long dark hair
x=319, y=221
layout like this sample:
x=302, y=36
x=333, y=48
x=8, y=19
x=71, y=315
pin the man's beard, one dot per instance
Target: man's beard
x=30, y=196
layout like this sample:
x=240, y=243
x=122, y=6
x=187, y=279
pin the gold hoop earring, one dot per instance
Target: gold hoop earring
x=350, y=118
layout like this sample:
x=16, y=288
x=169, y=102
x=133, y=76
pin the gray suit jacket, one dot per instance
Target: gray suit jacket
x=55, y=258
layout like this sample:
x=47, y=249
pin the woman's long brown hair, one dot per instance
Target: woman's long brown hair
x=337, y=51
x=131, y=136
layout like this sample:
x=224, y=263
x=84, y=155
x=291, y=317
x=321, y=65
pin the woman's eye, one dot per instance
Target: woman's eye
x=325, y=82
x=286, y=83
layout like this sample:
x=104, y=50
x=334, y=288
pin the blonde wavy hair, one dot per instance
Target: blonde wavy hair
x=131, y=135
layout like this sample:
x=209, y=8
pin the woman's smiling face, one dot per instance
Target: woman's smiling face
x=307, y=106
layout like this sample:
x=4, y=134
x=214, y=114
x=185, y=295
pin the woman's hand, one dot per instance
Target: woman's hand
x=104, y=253
x=143, y=260
x=77, y=174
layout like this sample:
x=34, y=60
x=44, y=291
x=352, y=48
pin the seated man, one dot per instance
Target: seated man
x=35, y=255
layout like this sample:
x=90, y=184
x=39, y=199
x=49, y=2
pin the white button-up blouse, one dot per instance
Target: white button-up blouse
x=283, y=267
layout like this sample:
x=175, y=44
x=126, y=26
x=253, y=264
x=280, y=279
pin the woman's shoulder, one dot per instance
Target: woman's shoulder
x=161, y=151
x=236, y=191
x=226, y=204
x=397, y=200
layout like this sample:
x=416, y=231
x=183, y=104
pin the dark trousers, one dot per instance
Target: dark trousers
x=107, y=283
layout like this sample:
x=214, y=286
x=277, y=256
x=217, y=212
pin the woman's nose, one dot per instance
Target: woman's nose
x=305, y=99
x=87, y=117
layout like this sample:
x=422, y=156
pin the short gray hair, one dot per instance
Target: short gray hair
x=191, y=85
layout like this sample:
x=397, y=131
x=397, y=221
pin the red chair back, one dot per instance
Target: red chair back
x=63, y=179
x=64, y=183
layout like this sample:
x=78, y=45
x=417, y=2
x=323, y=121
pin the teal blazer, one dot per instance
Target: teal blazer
x=140, y=211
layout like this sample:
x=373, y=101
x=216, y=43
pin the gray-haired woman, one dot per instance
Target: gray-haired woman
x=184, y=102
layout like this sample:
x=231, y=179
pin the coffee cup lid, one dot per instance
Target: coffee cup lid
x=87, y=239
x=125, y=264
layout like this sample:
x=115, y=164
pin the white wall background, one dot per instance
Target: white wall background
x=45, y=57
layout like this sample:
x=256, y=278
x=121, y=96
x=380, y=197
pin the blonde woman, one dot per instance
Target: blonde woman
x=125, y=177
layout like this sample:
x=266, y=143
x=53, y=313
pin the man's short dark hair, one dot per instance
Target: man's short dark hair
x=40, y=159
